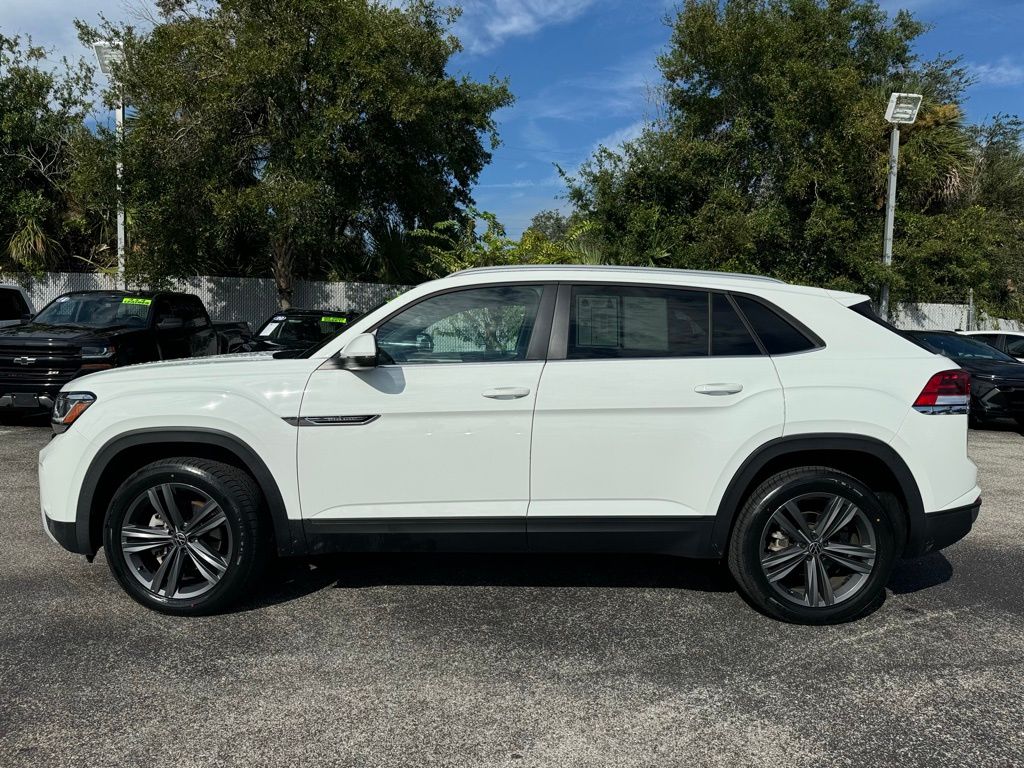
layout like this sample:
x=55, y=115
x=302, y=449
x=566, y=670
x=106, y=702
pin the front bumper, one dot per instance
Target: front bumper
x=940, y=529
x=28, y=401
x=65, y=534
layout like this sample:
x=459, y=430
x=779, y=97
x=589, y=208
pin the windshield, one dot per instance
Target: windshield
x=308, y=329
x=96, y=310
x=961, y=348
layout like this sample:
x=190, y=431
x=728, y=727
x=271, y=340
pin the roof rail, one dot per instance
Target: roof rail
x=615, y=268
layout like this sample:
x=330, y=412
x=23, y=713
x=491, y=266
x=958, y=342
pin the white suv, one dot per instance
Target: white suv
x=708, y=415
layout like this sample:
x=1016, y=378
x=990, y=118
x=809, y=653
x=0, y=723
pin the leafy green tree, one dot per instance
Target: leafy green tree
x=57, y=188
x=289, y=135
x=772, y=155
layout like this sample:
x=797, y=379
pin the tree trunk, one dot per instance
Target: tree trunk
x=282, y=263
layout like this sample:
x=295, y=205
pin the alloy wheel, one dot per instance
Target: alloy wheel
x=818, y=550
x=176, y=541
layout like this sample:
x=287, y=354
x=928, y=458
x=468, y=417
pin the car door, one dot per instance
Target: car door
x=650, y=396
x=433, y=443
x=202, y=338
x=172, y=337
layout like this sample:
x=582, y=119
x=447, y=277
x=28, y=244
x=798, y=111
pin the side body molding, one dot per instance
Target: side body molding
x=780, y=447
x=288, y=534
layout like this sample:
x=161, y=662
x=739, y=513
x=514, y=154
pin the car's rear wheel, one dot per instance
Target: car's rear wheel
x=812, y=545
x=185, y=535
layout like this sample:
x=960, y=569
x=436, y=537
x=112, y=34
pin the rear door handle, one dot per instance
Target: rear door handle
x=506, y=393
x=718, y=389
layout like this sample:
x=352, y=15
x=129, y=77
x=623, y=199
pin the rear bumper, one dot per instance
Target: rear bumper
x=940, y=529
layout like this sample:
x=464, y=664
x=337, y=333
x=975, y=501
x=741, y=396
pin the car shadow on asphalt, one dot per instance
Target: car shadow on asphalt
x=911, y=576
x=292, y=579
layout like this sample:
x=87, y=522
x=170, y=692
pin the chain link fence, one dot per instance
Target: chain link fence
x=226, y=298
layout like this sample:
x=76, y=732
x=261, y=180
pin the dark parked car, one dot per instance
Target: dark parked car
x=15, y=306
x=1010, y=342
x=300, y=329
x=87, y=331
x=997, y=379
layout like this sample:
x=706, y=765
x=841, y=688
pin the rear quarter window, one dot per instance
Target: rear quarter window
x=778, y=335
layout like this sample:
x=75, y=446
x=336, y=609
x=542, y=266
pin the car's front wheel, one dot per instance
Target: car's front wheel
x=185, y=535
x=812, y=545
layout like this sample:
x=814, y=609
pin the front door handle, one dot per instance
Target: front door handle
x=506, y=393
x=718, y=389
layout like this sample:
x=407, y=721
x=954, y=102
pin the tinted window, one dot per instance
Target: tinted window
x=729, y=336
x=303, y=329
x=1015, y=345
x=958, y=347
x=471, y=326
x=96, y=310
x=777, y=334
x=628, y=321
x=12, y=307
x=189, y=309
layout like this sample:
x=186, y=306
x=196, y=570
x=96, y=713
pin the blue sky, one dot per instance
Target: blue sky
x=582, y=73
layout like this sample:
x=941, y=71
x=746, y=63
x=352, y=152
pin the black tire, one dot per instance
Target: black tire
x=1020, y=422
x=201, y=489
x=870, y=533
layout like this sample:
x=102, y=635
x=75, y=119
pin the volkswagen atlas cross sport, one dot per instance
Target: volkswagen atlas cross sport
x=780, y=428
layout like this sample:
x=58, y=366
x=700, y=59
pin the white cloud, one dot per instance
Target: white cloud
x=617, y=138
x=1001, y=73
x=622, y=89
x=486, y=24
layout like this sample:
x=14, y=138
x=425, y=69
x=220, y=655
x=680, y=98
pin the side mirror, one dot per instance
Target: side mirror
x=170, y=324
x=360, y=354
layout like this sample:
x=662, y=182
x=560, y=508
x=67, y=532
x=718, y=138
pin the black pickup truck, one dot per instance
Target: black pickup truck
x=87, y=331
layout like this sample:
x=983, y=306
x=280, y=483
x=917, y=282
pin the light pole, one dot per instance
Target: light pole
x=109, y=54
x=902, y=110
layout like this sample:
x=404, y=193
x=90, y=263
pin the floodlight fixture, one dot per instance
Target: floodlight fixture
x=903, y=107
x=108, y=54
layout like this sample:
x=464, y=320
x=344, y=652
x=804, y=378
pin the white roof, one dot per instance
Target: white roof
x=653, y=275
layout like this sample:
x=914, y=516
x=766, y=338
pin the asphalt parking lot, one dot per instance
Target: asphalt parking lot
x=512, y=661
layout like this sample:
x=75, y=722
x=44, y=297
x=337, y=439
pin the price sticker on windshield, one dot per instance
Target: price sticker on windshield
x=137, y=302
x=333, y=319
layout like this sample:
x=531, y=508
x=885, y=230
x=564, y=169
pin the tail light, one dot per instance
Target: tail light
x=945, y=392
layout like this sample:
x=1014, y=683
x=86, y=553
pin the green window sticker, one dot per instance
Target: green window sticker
x=333, y=319
x=139, y=302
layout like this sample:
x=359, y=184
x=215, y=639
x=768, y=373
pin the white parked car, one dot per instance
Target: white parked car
x=15, y=306
x=778, y=427
x=1010, y=342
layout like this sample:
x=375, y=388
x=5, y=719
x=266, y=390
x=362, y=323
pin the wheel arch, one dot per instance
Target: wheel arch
x=868, y=459
x=129, y=452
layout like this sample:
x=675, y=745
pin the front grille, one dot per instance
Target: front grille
x=28, y=367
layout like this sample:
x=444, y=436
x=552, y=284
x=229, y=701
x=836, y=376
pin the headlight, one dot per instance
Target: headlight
x=94, y=352
x=67, y=409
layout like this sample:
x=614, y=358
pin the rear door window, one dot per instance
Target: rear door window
x=778, y=335
x=615, y=321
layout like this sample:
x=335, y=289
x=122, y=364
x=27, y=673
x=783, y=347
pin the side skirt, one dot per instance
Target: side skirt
x=682, y=536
